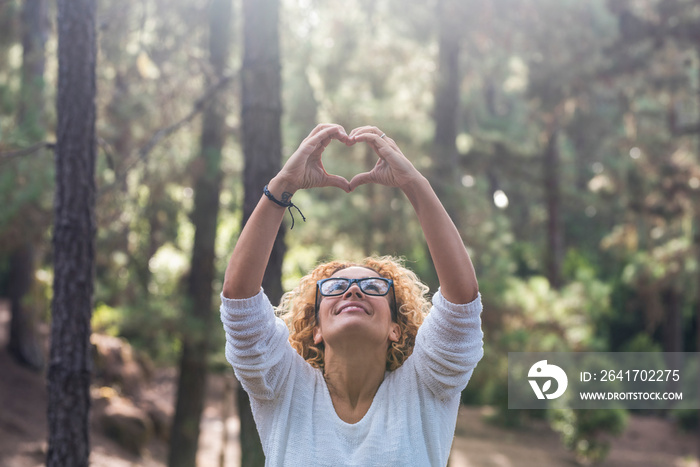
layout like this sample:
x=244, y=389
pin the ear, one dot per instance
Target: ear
x=394, y=332
x=318, y=338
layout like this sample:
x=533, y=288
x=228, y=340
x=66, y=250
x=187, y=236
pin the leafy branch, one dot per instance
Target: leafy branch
x=9, y=155
x=143, y=152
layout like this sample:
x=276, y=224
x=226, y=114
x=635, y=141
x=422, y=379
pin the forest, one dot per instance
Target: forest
x=562, y=136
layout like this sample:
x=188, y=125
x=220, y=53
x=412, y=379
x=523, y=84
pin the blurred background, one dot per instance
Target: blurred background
x=561, y=135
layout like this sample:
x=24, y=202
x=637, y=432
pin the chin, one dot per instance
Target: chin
x=356, y=328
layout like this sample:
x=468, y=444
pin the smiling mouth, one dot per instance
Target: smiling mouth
x=352, y=308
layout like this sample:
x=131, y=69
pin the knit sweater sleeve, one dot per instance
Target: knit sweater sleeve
x=257, y=345
x=448, y=346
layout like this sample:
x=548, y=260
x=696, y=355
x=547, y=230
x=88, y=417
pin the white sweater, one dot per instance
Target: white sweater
x=412, y=418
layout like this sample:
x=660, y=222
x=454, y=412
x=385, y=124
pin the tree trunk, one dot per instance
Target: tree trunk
x=262, y=147
x=555, y=238
x=24, y=345
x=30, y=114
x=447, y=97
x=74, y=237
x=193, y=364
x=672, y=329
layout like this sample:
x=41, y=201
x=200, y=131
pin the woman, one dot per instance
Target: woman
x=356, y=391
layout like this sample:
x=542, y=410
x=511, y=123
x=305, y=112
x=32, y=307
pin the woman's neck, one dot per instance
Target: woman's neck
x=353, y=379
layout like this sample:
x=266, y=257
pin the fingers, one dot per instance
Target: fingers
x=392, y=143
x=380, y=145
x=318, y=142
x=323, y=126
x=327, y=131
x=338, y=182
x=377, y=141
x=361, y=179
x=365, y=129
x=306, y=162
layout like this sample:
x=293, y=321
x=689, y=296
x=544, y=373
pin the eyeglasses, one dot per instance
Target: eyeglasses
x=369, y=285
x=375, y=286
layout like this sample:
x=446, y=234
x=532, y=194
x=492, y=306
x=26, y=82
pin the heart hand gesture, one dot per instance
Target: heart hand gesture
x=304, y=169
x=392, y=168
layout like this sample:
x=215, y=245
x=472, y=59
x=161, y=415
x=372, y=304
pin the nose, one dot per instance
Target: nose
x=353, y=289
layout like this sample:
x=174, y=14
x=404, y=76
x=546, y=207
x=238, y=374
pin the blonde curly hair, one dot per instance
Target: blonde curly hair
x=298, y=308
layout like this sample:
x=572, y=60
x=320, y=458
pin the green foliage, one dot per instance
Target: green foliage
x=586, y=432
x=556, y=320
x=106, y=320
x=527, y=315
x=616, y=79
x=642, y=343
x=151, y=326
x=686, y=419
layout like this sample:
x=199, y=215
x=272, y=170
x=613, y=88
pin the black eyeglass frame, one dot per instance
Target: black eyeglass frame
x=394, y=312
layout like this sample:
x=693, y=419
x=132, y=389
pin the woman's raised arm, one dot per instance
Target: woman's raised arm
x=454, y=268
x=304, y=169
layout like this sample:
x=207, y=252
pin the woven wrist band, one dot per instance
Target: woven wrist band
x=289, y=205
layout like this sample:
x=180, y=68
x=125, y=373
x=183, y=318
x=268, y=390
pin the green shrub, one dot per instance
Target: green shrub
x=586, y=432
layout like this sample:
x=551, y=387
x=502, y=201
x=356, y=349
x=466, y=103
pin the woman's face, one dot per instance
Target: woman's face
x=355, y=315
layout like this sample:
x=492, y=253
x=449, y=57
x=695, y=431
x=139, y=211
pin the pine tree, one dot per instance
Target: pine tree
x=70, y=365
x=194, y=360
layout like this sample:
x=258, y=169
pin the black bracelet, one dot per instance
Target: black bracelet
x=285, y=204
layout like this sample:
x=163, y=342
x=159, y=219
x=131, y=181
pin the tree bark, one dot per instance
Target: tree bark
x=555, y=238
x=447, y=97
x=30, y=113
x=672, y=330
x=193, y=364
x=74, y=237
x=24, y=344
x=262, y=147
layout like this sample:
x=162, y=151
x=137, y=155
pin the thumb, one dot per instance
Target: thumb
x=361, y=179
x=339, y=182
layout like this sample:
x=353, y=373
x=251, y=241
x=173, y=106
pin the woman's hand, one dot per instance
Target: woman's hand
x=392, y=168
x=304, y=168
x=452, y=263
x=246, y=268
